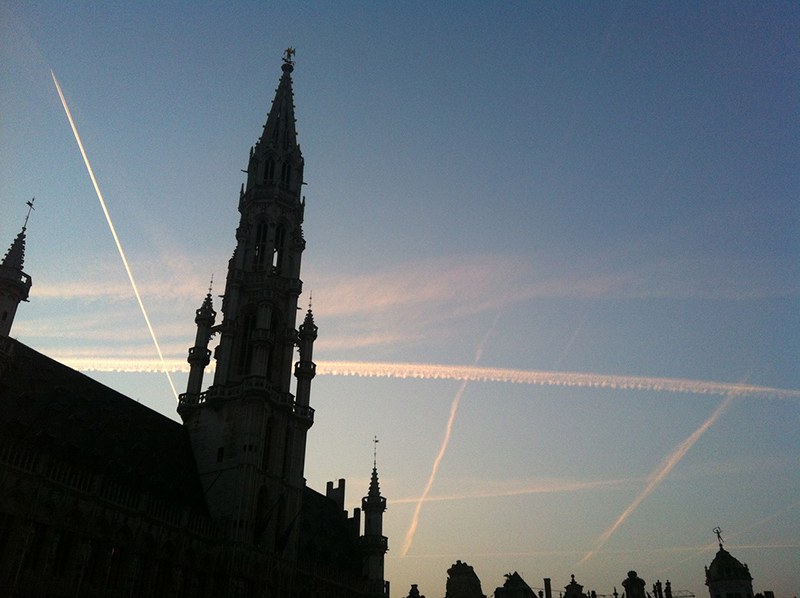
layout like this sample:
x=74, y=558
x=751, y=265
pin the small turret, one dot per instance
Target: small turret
x=374, y=544
x=727, y=575
x=199, y=354
x=305, y=369
x=15, y=285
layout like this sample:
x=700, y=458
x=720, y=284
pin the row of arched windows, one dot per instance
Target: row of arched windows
x=265, y=255
x=270, y=170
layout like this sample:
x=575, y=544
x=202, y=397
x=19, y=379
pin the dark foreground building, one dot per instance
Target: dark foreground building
x=100, y=496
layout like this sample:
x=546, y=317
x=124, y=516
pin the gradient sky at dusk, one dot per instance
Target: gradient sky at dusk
x=602, y=188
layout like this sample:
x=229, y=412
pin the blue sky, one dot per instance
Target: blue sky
x=602, y=188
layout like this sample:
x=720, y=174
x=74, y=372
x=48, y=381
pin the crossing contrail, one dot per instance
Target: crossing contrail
x=659, y=473
x=445, y=441
x=113, y=231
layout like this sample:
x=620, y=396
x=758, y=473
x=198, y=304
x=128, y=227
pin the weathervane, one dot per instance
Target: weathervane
x=288, y=54
x=30, y=207
x=718, y=531
x=375, y=452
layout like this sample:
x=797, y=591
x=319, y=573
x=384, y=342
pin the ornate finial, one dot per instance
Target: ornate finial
x=375, y=452
x=288, y=54
x=718, y=532
x=211, y=283
x=30, y=207
x=310, y=296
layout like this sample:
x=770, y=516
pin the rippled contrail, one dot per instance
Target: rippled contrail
x=656, y=477
x=546, y=378
x=113, y=231
x=433, y=371
x=445, y=441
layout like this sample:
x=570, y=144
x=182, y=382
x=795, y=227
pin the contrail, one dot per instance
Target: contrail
x=433, y=371
x=445, y=441
x=660, y=473
x=113, y=231
x=548, y=378
x=543, y=488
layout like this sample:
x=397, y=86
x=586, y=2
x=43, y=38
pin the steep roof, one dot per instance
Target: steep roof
x=49, y=407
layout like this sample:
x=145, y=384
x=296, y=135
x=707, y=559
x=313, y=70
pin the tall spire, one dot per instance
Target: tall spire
x=276, y=163
x=15, y=285
x=248, y=429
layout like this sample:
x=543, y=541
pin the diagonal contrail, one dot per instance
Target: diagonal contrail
x=113, y=231
x=445, y=441
x=659, y=474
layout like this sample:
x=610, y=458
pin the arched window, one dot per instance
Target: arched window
x=274, y=355
x=260, y=251
x=269, y=170
x=246, y=347
x=286, y=173
x=278, y=249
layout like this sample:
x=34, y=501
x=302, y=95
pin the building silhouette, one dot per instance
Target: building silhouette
x=101, y=496
x=726, y=577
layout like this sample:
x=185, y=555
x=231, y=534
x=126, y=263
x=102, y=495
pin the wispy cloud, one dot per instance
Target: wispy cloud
x=377, y=309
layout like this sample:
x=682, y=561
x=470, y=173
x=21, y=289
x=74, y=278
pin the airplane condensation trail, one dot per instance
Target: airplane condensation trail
x=433, y=371
x=547, y=378
x=445, y=441
x=546, y=487
x=113, y=231
x=658, y=475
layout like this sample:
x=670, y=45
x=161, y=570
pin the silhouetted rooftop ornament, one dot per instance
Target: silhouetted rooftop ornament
x=288, y=54
x=718, y=532
x=28, y=215
x=375, y=452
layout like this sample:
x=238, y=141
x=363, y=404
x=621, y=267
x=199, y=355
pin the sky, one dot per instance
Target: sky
x=527, y=224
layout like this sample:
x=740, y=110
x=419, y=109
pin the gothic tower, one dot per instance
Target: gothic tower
x=248, y=431
x=373, y=543
x=15, y=285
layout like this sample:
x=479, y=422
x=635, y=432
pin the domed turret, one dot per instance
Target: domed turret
x=726, y=575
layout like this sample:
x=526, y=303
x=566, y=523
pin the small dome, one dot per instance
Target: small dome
x=725, y=567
